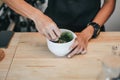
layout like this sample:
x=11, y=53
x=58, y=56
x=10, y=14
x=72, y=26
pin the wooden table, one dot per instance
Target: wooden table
x=28, y=58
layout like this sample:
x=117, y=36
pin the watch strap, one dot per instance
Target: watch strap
x=96, y=29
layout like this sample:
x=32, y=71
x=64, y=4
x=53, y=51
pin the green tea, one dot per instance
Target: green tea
x=65, y=37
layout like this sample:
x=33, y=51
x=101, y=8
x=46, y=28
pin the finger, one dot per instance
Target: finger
x=75, y=51
x=80, y=50
x=53, y=35
x=84, y=51
x=57, y=31
x=74, y=45
x=46, y=34
x=56, y=36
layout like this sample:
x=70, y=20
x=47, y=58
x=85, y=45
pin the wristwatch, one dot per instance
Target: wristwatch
x=96, y=27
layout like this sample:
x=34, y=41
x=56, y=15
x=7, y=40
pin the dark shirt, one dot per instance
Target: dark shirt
x=73, y=14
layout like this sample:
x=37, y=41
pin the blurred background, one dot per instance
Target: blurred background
x=113, y=24
x=9, y=20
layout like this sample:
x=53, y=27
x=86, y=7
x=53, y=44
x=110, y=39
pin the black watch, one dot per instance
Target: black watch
x=96, y=29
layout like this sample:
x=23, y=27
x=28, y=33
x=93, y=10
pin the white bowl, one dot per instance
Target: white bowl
x=61, y=49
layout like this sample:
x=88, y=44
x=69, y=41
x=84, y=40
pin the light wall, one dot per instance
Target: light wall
x=113, y=24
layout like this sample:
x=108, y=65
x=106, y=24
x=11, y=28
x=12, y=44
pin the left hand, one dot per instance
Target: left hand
x=81, y=42
x=79, y=46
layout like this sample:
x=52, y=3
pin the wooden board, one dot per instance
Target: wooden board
x=54, y=69
x=33, y=61
x=9, y=54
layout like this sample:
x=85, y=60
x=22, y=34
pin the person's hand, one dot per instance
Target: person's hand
x=47, y=27
x=79, y=46
x=81, y=42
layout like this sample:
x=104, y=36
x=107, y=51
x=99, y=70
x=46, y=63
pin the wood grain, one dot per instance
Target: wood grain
x=9, y=54
x=33, y=61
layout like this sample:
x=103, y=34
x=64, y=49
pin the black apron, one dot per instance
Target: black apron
x=72, y=14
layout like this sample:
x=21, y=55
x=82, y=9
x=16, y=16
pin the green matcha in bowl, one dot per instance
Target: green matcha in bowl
x=61, y=47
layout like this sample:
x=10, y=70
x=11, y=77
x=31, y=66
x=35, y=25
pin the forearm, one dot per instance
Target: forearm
x=43, y=23
x=23, y=8
x=102, y=16
x=105, y=12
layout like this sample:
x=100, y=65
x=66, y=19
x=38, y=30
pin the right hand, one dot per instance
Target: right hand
x=47, y=27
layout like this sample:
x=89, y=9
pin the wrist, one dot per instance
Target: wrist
x=89, y=30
